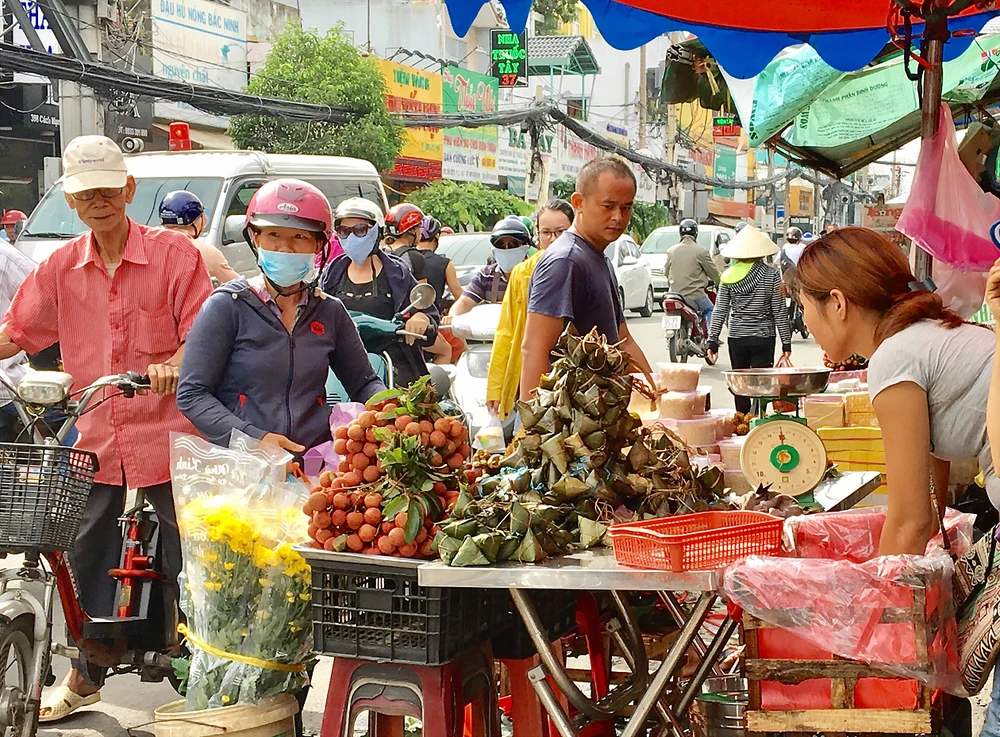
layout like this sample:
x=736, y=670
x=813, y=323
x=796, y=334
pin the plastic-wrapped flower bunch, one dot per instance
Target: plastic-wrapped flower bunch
x=245, y=591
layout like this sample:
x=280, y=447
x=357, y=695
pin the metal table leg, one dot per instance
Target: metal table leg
x=550, y=702
x=678, y=613
x=671, y=662
x=707, y=664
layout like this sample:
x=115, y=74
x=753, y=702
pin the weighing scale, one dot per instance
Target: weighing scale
x=781, y=450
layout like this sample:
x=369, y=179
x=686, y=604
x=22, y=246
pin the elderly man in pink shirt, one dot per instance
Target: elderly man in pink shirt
x=119, y=298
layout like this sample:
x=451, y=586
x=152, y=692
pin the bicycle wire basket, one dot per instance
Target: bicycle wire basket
x=43, y=490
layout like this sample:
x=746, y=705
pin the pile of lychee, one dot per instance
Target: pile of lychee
x=348, y=507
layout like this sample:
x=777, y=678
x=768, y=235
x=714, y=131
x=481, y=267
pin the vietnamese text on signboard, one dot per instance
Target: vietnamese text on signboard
x=470, y=154
x=726, y=127
x=509, y=58
x=412, y=90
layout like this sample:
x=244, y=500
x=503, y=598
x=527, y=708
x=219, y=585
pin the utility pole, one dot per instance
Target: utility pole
x=80, y=112
x=643, y=103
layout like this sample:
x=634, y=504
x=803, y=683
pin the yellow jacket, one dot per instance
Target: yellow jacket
x=505, y=360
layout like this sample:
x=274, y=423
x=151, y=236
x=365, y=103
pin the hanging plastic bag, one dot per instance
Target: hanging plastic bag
x=962, y=291
x=490, y=436
x=947, y=214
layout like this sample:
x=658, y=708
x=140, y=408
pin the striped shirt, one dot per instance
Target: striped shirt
x=752, y=307
x=109, y=325
x=14, y=269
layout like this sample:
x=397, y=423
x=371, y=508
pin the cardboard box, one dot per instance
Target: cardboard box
x=824, y=410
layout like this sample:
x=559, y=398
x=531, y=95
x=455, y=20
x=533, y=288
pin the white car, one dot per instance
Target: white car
x=657, y=243
x=635, y=280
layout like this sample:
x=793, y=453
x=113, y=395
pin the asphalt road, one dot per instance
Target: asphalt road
x=127, y=706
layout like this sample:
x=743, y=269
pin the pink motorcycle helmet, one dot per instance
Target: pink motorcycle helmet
x=289, y=203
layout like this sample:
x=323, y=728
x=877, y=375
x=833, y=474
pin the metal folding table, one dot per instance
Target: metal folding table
x=596, y=570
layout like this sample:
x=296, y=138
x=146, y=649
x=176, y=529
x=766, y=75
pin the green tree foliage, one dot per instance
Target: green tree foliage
x=326, y=70
x=563, y=188
x=556, y=13
x=646, y=218
x=461, y=204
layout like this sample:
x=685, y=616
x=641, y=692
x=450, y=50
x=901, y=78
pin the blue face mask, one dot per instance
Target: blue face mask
x=286, y=269
x=359, y=247
x=508, y=258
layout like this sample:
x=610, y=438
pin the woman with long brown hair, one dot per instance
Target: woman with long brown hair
x=928, y=372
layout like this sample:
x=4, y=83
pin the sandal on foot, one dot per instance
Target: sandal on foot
x=62, y=702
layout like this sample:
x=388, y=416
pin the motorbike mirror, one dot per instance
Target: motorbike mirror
x=422, y=296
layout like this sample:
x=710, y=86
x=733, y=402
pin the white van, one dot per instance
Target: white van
x=223, y=180
x=657, y=243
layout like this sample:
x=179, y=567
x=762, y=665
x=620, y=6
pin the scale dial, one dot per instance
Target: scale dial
x=785, y=454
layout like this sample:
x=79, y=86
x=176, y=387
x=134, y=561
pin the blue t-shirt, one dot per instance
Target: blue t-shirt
x=574, y=281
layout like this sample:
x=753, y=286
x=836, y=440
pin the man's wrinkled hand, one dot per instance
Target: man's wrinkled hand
x=163, y=378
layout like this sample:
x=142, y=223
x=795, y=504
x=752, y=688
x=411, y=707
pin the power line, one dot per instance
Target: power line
x=534, y=118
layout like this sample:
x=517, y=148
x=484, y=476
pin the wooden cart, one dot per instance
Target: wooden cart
x=842, y=716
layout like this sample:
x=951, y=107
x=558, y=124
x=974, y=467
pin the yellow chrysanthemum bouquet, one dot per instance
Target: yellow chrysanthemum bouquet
x=245, y=591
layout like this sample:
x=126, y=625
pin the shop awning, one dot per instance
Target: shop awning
x=743, y=36
x=560, y=55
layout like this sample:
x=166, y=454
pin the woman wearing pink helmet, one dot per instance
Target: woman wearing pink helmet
x=260, y=351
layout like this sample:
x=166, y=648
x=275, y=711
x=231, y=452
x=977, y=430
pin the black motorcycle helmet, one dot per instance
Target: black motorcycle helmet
x=511, y=226
x=689, y=227
x=794, y=235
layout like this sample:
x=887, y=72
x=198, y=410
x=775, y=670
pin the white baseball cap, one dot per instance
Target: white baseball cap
x=93, y=162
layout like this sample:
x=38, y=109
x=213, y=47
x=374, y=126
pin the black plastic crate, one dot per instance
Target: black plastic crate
x=43, y=490
x=373, y=609
x=556, y=611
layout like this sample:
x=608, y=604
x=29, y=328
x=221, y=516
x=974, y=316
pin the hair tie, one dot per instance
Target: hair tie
x=927, y=285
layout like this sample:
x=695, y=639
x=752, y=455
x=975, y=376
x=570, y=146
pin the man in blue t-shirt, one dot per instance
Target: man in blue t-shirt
x=573, y=282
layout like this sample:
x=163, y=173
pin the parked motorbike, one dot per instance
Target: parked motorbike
x=685, y=330
x=477, y=328
x=45, y=485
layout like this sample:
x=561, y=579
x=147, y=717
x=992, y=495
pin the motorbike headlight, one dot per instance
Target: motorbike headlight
x=479, y=364
x=45, y=387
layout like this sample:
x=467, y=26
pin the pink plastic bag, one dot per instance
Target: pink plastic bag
x=947, y=214
x=962, y=291
x=829, y=599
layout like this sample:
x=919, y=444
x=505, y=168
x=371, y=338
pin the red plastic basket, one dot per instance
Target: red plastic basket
x=696, y=542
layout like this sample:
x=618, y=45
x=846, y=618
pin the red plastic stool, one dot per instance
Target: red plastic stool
x=436, y=694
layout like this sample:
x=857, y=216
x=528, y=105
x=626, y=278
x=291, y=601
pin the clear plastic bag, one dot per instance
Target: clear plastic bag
x=246, y=593
x=490, y=436
x=962, y=291
x=947, y=214
x=836, y=598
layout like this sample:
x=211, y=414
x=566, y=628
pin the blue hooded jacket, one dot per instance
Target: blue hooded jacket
x=401, y=281
x=243, y=370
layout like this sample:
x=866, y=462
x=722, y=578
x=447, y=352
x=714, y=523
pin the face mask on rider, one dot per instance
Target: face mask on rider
x=359, y=247
x=508, y=258
x=287, y=269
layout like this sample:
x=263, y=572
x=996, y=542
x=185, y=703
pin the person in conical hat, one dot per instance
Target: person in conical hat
x=750, y=300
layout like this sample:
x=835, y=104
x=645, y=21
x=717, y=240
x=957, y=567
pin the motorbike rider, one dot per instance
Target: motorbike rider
x=238, y=373
x=120, y=297
x=554, y=219
x=403, y=225
x=439, y=271
x=12, y=222
x=510, y=241
x=690, y=269
x=182, y=211
x=369, y=280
